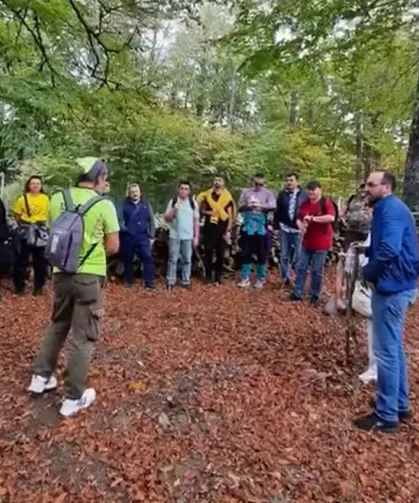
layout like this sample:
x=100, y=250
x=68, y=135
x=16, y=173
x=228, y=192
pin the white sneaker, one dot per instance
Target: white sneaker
x=370, y=375
x=70, y=408
x=41, y=384
x=244, y=283
x=260, y=284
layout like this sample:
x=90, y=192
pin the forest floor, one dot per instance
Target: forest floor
x=204, y=396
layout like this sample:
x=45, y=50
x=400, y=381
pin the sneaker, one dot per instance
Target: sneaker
x=151, y=288
x=186, y=286
x=244, y=283
x=129, y=286
x=294, y=298
x=373, y=422
x=370, y=375
x=41, y=384
x=37, y=292
x=405, y=416
x=260, y=284
x=169, y=288
x=70, y=408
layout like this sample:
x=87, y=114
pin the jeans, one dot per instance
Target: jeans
x=388, y=317
x=316, y=259
x=131, y=247
x=290, y=243
x=180, y=249
x=77, y=308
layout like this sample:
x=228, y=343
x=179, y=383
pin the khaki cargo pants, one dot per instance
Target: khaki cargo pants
x=77, y=307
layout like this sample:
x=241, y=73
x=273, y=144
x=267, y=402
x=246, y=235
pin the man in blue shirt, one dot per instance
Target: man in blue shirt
x=182, y=214
x=393, y=271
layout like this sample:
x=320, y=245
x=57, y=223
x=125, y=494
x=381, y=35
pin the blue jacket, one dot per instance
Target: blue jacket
x=393, y=254
x=138, y=220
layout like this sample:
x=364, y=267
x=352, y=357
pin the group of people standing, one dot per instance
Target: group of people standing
x=305, y=222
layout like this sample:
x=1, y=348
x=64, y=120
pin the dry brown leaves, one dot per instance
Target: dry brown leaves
x=212, y=395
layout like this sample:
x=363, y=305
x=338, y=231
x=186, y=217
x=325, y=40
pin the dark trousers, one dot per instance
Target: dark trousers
x=21, y=264
x=214, y=242
x=253, y=246
x=142, y=249
x=77, y=307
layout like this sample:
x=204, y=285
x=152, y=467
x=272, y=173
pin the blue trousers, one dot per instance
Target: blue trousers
x=290, y=243
x=316, y=260
x=388, y=317
x=142, y=249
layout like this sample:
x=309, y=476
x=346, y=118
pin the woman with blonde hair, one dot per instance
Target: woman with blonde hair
x=31, y=214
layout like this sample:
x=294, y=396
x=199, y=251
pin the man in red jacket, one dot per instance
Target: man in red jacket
x=315, y=219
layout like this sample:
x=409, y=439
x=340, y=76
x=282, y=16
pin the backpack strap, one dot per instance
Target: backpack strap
x=84, y=208
x=192, y=202
x=28, y=210
x=68, y=200
x=174, y=201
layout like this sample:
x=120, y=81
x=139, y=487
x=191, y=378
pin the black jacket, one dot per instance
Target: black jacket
x=282, y=206
x=4, y=230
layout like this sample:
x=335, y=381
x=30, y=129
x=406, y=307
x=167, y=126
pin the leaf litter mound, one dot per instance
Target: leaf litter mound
x=207, y=396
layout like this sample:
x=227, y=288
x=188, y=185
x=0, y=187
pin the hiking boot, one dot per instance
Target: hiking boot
x=314, y=302
x=260, y=284
x=405, y=416
x=41, y=384
x=294, y=298
x=70, y=408
x=244, y=283
x=374, y=423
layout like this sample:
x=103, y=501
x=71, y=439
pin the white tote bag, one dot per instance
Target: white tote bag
x=361, y=300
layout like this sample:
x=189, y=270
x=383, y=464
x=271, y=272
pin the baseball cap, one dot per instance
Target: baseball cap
x=92, y=168
x=314, y=184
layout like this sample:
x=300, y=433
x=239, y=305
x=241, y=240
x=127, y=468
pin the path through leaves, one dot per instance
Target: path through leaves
x=204, y=396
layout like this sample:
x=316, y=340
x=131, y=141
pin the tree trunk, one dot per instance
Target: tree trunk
x=293, y=108
x=359, y=149
x=411, y=173
x=232, y=100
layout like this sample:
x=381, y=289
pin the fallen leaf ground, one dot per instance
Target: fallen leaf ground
x=209, y=395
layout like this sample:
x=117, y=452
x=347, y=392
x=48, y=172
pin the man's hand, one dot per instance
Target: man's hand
x=227, y=237
x=308, y=218
x=176, y=207
x=196, y=241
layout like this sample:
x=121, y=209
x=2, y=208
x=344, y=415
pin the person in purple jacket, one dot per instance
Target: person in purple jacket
x=137, y=236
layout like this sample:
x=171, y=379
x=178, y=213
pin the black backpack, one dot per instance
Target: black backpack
x=191, y=202
x=323, y=200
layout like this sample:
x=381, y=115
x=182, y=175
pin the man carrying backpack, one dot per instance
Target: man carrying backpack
x=315, y=219
x=84, y=230
x=183, y=215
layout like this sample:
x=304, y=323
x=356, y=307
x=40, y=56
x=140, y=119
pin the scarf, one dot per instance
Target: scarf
x=217, y=207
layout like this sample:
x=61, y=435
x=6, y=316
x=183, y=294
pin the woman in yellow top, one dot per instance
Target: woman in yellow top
x=31, y=211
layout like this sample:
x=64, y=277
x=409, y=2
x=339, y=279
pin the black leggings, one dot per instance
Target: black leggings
x=253, y=246
x=214, y=242
x=21, y=264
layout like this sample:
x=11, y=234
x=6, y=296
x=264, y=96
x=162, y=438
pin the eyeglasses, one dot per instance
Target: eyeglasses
x=259, y=184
